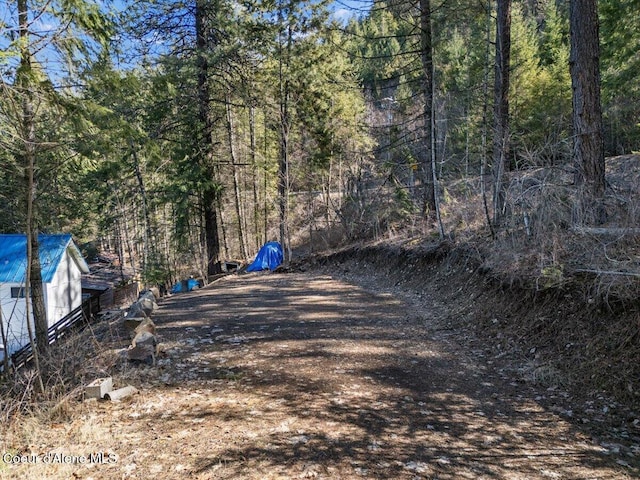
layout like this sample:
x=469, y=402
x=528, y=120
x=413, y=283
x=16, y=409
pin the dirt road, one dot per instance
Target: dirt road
x=267, y=376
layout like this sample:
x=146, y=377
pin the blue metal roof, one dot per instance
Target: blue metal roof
x=13, y=256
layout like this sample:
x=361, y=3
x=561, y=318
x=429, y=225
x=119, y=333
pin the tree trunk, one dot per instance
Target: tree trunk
x=485, y=122
x=37, y=291
x=327, y=198
x=254, y=167
x=265, y=186
x=147, y=234
x=436, y=195
x=431, y=203
x=427, y=164
x=126, y=237
x=236, y=184
x=283, y=186
x=210, y=194
x=34, y=294
x=212, y=238
x=283, y=165
x=5, y=349
x=39, y=344
x=119, y=246
x=588, y=146
x=501, y=107
x=223, y=230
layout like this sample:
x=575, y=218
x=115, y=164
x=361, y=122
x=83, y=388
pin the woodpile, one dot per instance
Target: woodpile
x=137, y=321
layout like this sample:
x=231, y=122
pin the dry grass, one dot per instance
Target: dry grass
x=76, y=431
x=59, y=421
x=539, y=246
x=72, y=362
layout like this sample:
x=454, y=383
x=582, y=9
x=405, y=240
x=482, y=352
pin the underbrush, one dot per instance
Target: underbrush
x=28, y=402
x=540, y=244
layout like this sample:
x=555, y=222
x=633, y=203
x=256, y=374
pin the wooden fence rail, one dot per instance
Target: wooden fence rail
x=84, y=313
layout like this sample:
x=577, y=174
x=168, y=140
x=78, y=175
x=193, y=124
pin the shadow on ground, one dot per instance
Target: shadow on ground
x=302, y=376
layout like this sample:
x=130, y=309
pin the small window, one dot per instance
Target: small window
x=17, y=292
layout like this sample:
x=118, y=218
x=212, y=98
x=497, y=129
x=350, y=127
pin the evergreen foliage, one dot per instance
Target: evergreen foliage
x=125, y=154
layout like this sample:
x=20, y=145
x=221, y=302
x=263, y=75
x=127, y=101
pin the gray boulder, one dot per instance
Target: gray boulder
x=147, y=305
x=136, y=310
x=144, y=348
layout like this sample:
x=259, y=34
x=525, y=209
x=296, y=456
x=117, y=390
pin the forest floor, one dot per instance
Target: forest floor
x=327, y=372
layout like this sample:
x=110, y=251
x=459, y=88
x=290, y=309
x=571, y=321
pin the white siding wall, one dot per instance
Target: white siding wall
x=61, y=296
x=13, y=313
x=64, y=293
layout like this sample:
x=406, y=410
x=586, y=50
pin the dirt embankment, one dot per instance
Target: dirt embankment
x=578, y=350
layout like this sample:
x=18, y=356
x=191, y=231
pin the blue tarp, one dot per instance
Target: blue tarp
x=268, y=258
x=185, y=286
